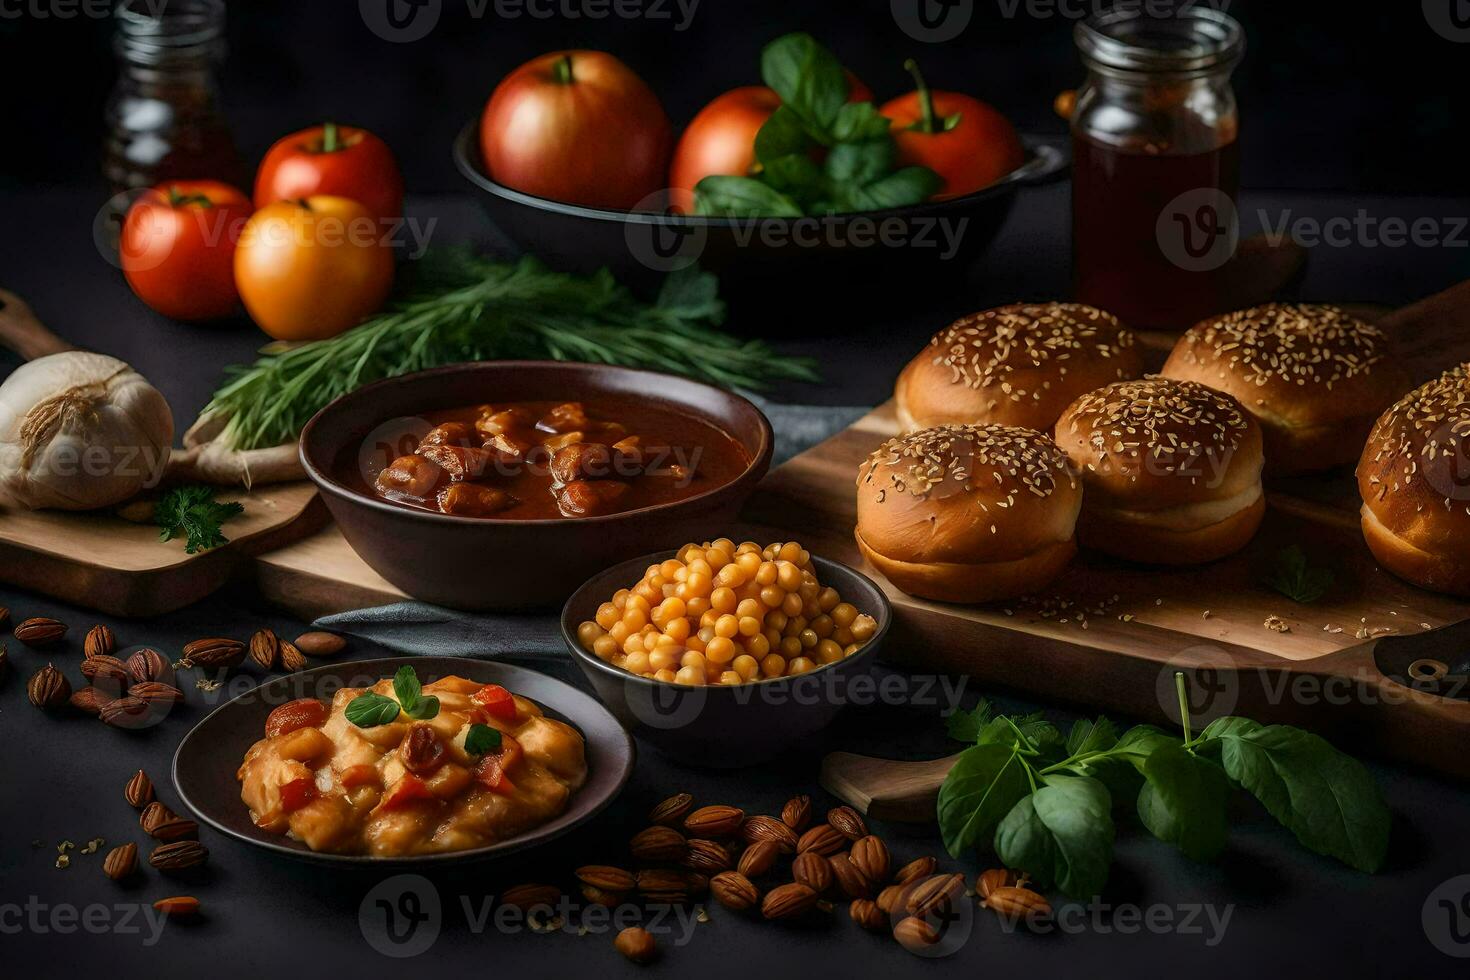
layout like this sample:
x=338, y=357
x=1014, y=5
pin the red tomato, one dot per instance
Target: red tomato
x=310, y=269
x=720, y=139
x=967, y=142
x=297, y=793
x=407, y=791
x=491, y=770
x=178, y=248
x=301, y=713
x=579, y=127
x=497, y=702
x=342, y=161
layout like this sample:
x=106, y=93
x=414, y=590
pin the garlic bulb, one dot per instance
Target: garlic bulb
x=78, y=431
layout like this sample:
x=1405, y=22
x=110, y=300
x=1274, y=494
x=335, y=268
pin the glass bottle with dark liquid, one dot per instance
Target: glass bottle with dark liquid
x=1155, y=166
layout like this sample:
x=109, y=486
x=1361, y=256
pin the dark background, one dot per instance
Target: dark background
x=1334, y=96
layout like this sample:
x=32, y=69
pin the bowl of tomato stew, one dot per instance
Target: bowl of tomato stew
x=499, y=485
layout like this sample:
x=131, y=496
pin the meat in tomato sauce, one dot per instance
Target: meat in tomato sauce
x=548, y=459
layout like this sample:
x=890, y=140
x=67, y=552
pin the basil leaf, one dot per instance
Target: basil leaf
x=981, y=788
x=1092, y=736
x=406, y=686
x=1062, y=835
x=481, y=739
x=781, y=135
x=857, y=121
x=1140, y=742
x=423, y=709
x=371, y=710
x=911, y=185
x=1184, y=802
x=860, y=163
x=797, y=176
x=966, y=726
x=809, y=79
x=1327, y=799
x=742, y=197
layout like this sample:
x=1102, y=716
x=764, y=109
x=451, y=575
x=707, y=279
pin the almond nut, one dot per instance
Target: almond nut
x=769, y=828
x=892, y=898
x=918, y=868
x=1013, y=902
x=265, y=648
x=797, y=813
x=319, y=643
x=847, y=822
x=660, y=881
x=734, y=891
x=178, y=855
x=126, y=712
x=823, y=838
x=178, y=906
x=291, y=658
x=706, y=855
x=139, y=791
x=100, y=641
x=759, y=858
x=601, y=896
x=160, y=822
x=671, y=811
x=850, y=878
x=149, y=665
x=915, y=935
x=870, y=856
x=121, y=861
x=867, y=914
x=40, y=631
x=108, y=673
x=214, y=651
x=812, y=870
x=48, y=688
x=934, y=894
x=154, y=692
x=606, y=877
x=788, y=901
x=995, y=878
x=714, y=821
x=636, y=944
x=658, y=844
x=90, y=700
x=527, y=896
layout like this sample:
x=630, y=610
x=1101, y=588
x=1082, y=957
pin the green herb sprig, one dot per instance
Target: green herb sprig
x=456, y=306
x=858, y=171
x=1295, y=579
x=1045, y=802
x=372, y=709
x=191, y=512
x=481, y=739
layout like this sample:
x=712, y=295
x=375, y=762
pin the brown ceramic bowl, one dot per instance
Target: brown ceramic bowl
x=505, y=564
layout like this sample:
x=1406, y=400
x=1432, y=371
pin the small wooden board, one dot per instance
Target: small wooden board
x=121, y=568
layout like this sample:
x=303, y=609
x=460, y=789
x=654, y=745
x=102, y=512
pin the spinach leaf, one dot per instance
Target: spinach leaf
x=1091, y=736
x=1140, y=742
x=1062, y=835
x=742, y=197
x=1327, y=799
x=808, y=78
x=371, y=710
x=1184, y=801
x=984, y=784
x=966, y=726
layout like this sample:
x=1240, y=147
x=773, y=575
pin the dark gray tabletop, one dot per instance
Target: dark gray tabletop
x=1266, y=907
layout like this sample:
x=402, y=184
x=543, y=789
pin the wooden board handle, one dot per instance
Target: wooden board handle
x=886, y=789
x=21, y=332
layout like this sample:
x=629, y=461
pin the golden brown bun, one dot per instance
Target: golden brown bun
x=1313, y=376
x=1172, y=469
x=1414, y=478
x=1014, y=365
x=1165, y=546
x=967, y=513
x=978, y=582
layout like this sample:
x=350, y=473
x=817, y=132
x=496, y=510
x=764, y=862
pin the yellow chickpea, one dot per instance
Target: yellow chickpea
x=619, y=632
x=634, y=643
x=695, y=643
x=605, y=647
x=607, y=614
x=666, y=676
x=828, y=652
x=637, y=663
x=664, y=658
x=844, y=613
x=718, y=558
x=794, y=626
x=620, y=598
x=700, y=567
x=792, y=605
x=822, y=625
x=749, y=562
x=692, y=658
x=850, y=649
x=747, y=547
x=793, y=552
x=790, y=647
x=809, y=639
x=588, y=632
x=635, y=619
x=773, y=665
x=731, y=677
x=677, y=630
x=828, y=599
x=720, y=650
x=800, y=665
x=746, y=666
x=722, y=600
x=696, y=607
x=708, y=618
x=788, y=576
x=724, y=544
x=730, y=576
x=699, y=583
x=863, y=628
x=772, y=636
x=758, y=645
x=727, y=625
x=747, y=626
x=843, y=635
x=772, y=596
x=668, y=569
x=766, y=574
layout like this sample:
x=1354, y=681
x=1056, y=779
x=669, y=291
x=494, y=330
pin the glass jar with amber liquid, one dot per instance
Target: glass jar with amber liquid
x=1155, y=165
x=163, y=117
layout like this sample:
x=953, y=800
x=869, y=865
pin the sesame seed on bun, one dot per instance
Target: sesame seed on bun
x=1172, y=470
x=1315, y=377
x=1414, y=478
x=1014, y=365
x=968, y=513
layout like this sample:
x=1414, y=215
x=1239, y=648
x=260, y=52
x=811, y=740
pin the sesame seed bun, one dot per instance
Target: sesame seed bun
x=1172, y=470
x=1414, y=478
x=1014, y=365
x=968, y=513
x=1315, y=377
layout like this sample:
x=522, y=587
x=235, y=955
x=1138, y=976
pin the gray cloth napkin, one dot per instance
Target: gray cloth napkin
x=425, y=630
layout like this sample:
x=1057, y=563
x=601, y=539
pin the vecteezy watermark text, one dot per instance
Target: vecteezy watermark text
x=405, y=21
x=63, y=919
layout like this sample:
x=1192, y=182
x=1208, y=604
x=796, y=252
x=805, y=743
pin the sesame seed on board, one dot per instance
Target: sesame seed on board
x=1015, y=459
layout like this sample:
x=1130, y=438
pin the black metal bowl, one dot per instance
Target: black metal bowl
x=725, y=726
x=807, y=262
x=206, y=760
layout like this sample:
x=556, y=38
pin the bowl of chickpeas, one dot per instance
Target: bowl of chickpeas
x=722, y=653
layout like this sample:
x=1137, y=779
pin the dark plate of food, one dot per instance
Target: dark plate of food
x=500, y=485
x=403, y=761
x=766, y=685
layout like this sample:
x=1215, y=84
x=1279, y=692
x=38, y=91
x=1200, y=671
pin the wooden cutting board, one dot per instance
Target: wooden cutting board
x=121, y=568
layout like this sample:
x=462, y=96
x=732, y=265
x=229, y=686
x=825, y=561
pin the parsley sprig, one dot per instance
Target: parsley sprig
x=1295, y=579
x=372, y=709
x=1044, y=802
x=192, y=512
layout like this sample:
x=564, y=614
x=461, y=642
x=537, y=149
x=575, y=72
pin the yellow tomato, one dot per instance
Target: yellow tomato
x=309, y=269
